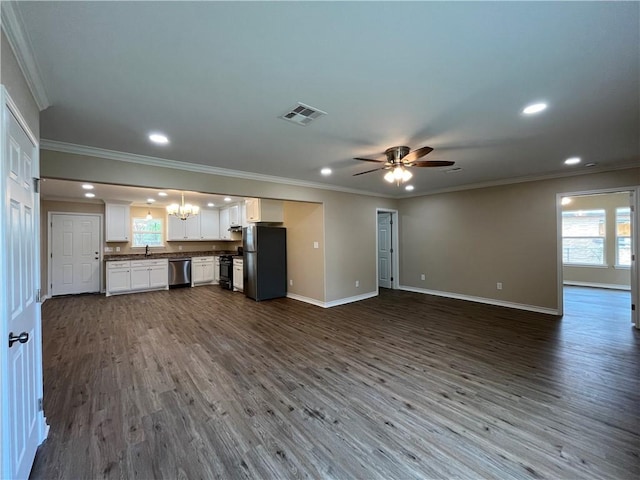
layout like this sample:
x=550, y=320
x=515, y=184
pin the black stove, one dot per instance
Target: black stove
x=226, y=272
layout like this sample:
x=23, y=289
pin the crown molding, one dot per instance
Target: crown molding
x=190, y=167
x=524, y=179
x=21, y=46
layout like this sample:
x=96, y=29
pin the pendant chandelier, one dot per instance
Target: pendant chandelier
x=183, y=211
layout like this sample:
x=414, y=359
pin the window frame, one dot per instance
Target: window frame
x=618, y=237
x=134, y=232
x=602, y=236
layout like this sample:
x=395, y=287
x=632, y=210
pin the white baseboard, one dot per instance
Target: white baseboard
x=44, y=299
x=611, y=286
x=333, y=303
x=300, y=298
x=488, y=301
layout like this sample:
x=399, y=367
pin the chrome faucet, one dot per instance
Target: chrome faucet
x=146, y=251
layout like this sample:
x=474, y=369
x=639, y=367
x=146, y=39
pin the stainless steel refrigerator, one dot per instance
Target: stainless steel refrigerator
x=265, y=262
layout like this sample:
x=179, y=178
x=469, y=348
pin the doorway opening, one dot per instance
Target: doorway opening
x=387, y=269
x=597, y=239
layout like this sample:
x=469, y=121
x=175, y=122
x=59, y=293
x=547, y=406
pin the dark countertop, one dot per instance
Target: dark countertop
x=153, y=256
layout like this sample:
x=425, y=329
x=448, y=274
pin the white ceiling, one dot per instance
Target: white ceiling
x=215, y=76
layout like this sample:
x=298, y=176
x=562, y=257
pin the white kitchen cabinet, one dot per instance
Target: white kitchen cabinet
x=118, y=277
x=137, y=275
x=225, y=234
x=204, y=226
x=202, y=272
x=181, y=230
x=266, y=211
x=117, y=222
x=243, y=214
x=238, y=274
x=234, y=215
x=149, y=274
x=209, y=225
x=216, y=270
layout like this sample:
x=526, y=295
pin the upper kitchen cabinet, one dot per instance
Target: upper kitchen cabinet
x=209, y=224
x=260, y=210
x=225, y=234
x=234, y=215
x=178, y=229
x=117, y=222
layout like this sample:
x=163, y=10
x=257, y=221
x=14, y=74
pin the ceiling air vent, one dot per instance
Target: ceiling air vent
x=302, y=114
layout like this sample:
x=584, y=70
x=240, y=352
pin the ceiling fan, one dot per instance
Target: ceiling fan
x=400, y=159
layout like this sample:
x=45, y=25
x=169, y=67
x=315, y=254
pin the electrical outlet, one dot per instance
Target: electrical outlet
x=291, y=282
x=117, y=249
x=316, y=245
x=214, y=247
x=357, y=283
x=499, y=285
x=180, y=247
x=422, y=277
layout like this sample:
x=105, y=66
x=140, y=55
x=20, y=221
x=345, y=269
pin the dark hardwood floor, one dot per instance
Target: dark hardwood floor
x=204, y=383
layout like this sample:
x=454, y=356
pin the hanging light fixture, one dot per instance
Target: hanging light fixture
x=183, y=211
x=148, y=217
x=398, y=174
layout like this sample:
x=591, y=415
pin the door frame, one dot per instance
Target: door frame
x=395, y=255
x=50, y=246
x=634, y=272
x=9, y=107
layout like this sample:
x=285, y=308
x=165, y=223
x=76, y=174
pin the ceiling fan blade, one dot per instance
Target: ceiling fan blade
x=432, y=163
x=369, y=171
x=416, y=154
x=370, y=160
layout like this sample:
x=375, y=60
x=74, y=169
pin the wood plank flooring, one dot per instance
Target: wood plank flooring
x=204, y=383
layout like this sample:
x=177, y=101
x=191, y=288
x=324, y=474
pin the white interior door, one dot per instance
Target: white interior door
x=384, y=250
x=635, y=271
x=22, y=424
x=75, y=254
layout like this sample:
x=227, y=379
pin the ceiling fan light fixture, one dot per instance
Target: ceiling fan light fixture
x=406, y=175
x=389, y=176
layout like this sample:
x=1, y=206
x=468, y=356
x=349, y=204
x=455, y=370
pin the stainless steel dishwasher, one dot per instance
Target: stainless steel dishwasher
x=179, y=272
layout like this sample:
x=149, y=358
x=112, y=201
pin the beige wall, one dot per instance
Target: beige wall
x=610, y=275
x=350, y=220
x=305, y=225
x=465, y=242
x=12, y=78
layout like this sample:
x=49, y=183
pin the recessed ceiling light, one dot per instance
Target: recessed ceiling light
x=151, y=200
x=159, y=138
x=325, y=171
x=89, y=195
x=227, y=199
x=87, y=186
x=591, y=164
x=572, y=161
x=210, y=204
x=409, y=188
x=534, y=108
x=162, y=194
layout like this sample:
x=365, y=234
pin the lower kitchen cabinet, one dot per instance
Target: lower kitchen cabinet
x=118, y=277
x=202, y=270
x=216, y=270
x=238, y=274
x=137, y=275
